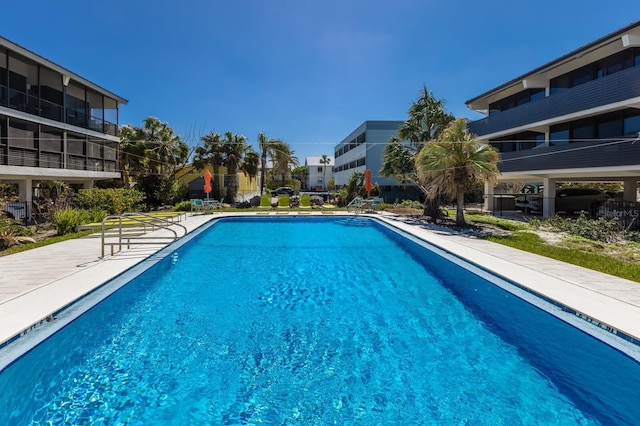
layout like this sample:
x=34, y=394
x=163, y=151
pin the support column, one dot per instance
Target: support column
x=87, y=184
x=488, y=197
x=548, y=197
x=630, y=189
x=25, y=190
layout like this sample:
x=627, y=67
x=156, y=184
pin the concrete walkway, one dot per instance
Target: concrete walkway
x=37, y=283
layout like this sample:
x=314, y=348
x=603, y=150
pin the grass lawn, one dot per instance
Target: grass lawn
x=620, y=259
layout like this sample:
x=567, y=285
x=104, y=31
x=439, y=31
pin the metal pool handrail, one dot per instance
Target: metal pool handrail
x=147, y=220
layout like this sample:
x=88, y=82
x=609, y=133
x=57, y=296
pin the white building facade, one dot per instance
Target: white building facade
x=319, y=172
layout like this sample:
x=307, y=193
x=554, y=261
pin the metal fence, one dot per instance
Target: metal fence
x=18, y=210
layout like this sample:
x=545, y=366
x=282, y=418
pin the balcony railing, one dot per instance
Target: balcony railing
x=608, y=153
x=616, y=87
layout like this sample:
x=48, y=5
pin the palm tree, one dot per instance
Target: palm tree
x=453, y=162
x=230, y=151
x=251, y=163
x=151, y=156
x=210, y=153
x=282, y=158
x=325, y=162
x=426, y=119
x=263, y=144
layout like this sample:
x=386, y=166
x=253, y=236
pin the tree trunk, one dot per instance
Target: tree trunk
x=216, y=183
x=432, y=209
x=232, y=186
x=460, y=209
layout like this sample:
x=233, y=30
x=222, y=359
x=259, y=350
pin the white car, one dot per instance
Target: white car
x=529, y=197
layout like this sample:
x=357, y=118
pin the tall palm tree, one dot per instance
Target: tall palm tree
x=453, y=162
x=325, y=162
x=263, y=145
x=283, y=159
x=210, y=153
x=251, y=163
x=426, y=119
x=234, y=150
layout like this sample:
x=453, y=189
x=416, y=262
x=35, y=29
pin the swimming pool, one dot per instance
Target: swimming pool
x=316, y=321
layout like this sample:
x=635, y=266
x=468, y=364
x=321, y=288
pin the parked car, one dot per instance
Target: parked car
x=283, y=190
x=567, y=200
x=528, y=192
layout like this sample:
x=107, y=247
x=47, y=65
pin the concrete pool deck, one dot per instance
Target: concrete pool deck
x=38, y=283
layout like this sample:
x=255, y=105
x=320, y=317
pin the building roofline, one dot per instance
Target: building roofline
x=62, y=70
x=557, y=61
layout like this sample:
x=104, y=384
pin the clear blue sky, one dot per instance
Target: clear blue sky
x=307, y=72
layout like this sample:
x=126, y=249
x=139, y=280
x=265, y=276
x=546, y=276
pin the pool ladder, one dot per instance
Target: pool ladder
x=131, y=228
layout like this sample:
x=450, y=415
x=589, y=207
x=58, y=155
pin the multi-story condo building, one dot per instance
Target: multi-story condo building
x=364, y=149
x=54, y=124
x=319, y=172
x=575, y=118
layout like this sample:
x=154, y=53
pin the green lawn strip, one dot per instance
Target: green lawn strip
x=507, y=224
x=532, y=243
x=45, y=242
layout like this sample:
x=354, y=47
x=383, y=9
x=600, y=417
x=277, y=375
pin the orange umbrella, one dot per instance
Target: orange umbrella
x=207, y=181
x=367, y=181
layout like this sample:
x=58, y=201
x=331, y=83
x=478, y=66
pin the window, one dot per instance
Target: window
x=582, y=75
x=560, y=84
x=110, y=116
x=518, y=142
x=559, y=135
x=610, y=127
x=96, y=111
x=599, y=69
x=582, y=131
x=3, y=78
x=631, y=123
x=320, y=169
x=22, y=134
x=76, y=105
x=517, y=99
x=50, y=94
x=50, y=139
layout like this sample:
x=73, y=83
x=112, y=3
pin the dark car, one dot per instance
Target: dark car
x=283, y=190
x=570, y=200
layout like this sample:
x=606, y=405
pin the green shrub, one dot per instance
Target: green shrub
x=600, y=229
x=94, y=214
x=111, y=200
x=183, y=206
x=67, y=220
x=411, y=204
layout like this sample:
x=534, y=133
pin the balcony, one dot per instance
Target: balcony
x=572, y=156
x=616, y=87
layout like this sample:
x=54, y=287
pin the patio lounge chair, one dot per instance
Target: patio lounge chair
x=283, y=201
x=211, y=204
x=305, y=201
x=197, y=205
x=265, y=201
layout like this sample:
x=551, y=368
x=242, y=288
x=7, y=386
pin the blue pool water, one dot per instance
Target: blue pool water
x=316, y=321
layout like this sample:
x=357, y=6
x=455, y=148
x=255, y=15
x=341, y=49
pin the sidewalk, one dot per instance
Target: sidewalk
x=37, y=283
